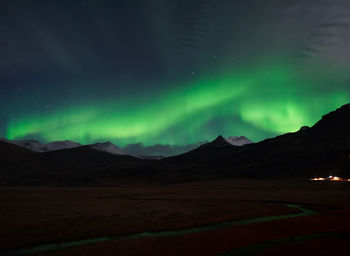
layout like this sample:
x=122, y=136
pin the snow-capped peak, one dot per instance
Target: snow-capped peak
x=238, y=141
x=36, y=146
x=58, y=145
x=109, y=148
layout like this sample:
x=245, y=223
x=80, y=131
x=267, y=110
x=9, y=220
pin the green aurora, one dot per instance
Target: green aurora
x=269, y=98
x=170, y=72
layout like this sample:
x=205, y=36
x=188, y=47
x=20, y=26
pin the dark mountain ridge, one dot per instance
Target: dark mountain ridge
x=321, y=150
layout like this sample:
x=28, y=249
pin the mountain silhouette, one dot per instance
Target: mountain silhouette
x=321, y=150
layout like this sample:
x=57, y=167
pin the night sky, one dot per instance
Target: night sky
x=170, y=72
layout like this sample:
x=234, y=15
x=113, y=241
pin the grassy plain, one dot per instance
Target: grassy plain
x=35, y=216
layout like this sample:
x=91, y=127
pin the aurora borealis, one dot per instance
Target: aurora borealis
x=172, y=73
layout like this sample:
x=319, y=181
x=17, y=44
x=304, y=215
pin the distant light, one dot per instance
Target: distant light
x=318, y=179
x=330, y=178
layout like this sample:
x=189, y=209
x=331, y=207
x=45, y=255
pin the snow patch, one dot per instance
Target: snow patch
x=36, y=146
x=108, y=147
x=238, y=141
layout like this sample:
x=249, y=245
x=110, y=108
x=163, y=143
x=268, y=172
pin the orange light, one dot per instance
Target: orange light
x=330, y=178
x=318, y=179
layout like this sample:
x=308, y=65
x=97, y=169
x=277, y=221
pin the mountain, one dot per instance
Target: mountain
x=108, y=147
x=73, y=166
x=332, y=131
x=220, y=141
x=205, y=153
x=86, y=158
x=238, y=141
x=21, y=166
x=59, y=145
x=321, y=150
x=36, y=146
x=157, y=151
x=160, y=150
x=32, y=145
x=216, y=148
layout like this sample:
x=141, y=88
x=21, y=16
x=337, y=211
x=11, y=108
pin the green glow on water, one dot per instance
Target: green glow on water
x=64, y=245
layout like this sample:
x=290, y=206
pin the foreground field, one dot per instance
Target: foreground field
x=37, y=216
